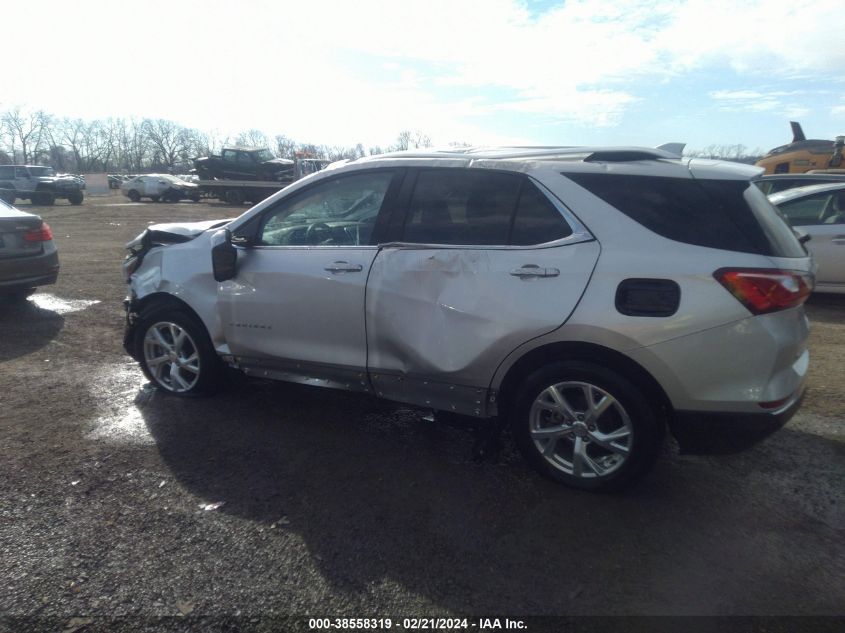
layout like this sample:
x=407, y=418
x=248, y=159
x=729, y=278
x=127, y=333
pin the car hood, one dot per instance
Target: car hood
x=281, y=162
x=174, y=232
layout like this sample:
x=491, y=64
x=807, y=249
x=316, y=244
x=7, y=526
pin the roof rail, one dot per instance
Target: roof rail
x=568, y=153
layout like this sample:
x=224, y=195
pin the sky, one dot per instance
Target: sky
x=487, y=72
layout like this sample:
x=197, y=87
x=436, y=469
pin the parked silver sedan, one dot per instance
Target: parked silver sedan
x=819, y=211
x=28, y=256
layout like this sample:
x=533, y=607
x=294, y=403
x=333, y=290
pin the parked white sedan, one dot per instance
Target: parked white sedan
x=159, y=187
x=819, y=211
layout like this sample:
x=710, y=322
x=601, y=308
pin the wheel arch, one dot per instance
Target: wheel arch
x=588, y=352
x=156, y=300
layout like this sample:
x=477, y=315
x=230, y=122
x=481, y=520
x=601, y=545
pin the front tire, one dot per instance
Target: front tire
x=586, y=426
x=75, y=198
x=176, y=353
x=134, y=196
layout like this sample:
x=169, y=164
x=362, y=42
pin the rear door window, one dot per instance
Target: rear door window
x=481, y=208
x=730, y=215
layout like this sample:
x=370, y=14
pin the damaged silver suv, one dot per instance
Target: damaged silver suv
x=589, y=297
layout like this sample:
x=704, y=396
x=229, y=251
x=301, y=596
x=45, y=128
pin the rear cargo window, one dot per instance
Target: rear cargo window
x=730, y=215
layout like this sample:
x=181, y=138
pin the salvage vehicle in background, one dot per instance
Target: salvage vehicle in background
x=28, y=256
x=803, y=154
x=244, y=163
x=819, y=212
x=239, y=176
x=160, y=187
x=40, y=185
x=589, y=297
x=775, y=183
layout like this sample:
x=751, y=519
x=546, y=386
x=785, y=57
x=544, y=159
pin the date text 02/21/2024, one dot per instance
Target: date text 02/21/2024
x=416, y=624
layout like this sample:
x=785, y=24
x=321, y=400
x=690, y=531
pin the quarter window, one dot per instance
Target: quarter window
x=730, y=215
x=338, y=212
x=537, y=220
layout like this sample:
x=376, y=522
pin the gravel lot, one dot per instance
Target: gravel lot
x=277, y=499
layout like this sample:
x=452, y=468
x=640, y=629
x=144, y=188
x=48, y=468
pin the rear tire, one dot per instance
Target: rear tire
x=586, y=426
x=43, y=198
x=16, y=296
x=176, y=353
x=76, y=197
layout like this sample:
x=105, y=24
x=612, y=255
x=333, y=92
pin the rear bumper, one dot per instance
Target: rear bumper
x=28, y=272
x=700, y=433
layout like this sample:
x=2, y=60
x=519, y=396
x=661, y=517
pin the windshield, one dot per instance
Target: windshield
x=264, y=154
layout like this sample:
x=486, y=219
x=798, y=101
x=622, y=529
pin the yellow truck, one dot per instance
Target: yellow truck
x=803, y=155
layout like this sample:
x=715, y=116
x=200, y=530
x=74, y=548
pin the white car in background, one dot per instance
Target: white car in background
x=819, y=211
x=160, y=187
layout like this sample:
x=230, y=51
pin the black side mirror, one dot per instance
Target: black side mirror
x=802, y=236
x=224, y=256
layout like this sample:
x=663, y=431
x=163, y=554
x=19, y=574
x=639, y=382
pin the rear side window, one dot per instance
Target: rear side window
x=474, y=207
x=730, y=215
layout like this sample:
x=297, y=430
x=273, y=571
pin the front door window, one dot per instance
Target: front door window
x=339, y=212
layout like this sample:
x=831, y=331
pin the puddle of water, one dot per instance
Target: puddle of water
x=123, y=392
x=60, y=306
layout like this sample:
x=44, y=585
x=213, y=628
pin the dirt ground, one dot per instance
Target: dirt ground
x=271, y=499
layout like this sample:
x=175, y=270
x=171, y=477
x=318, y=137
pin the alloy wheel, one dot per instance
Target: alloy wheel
x=580, y=429
x=171, y=356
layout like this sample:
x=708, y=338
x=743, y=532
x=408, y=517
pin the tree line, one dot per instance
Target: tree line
x=129, y=145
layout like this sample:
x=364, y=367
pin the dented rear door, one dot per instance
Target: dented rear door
x=441, y=318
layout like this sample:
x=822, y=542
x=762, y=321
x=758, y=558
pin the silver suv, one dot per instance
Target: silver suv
x=587, y=297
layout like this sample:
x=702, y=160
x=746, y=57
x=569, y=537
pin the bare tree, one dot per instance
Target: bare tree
x=168, y=142
x=253, y=138
x=737, y=153
x=285, y=147
x=403, y=141
x=26, y=129
x=411, y=140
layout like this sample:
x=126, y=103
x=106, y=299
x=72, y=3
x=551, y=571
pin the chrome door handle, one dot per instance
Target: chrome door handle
x=344, y=267
x=532, y=270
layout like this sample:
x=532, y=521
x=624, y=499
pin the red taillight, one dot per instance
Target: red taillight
x=763, y=290
x=43, y=234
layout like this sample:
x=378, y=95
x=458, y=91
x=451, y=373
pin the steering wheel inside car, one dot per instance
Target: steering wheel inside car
x=317, y=233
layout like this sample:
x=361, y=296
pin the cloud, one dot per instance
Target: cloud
x=446, y=66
